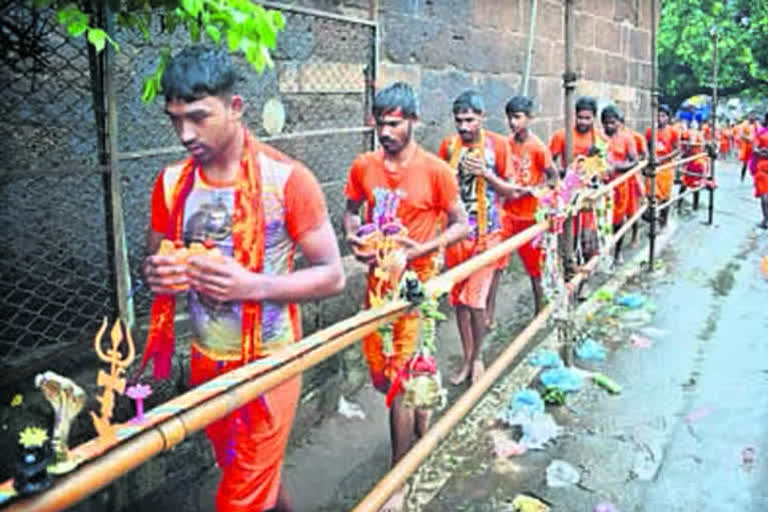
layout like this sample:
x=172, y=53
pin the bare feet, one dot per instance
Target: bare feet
x=478, y=368
x=461, y=377
x=396, y=502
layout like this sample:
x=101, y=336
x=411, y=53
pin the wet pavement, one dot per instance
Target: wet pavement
x=690, y=429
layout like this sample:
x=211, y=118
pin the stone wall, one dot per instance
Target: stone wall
x=445, y=47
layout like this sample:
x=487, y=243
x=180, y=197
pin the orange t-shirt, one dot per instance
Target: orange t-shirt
x=667, y=139
x=418, y=195
x=581, y=143
x=706, y=131
x=528, y=163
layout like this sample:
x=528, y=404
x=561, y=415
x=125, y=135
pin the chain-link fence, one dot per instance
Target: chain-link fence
x=56, y=266
x=54, y=272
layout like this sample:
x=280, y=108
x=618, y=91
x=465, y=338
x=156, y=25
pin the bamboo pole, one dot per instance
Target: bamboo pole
x=129, y=454
x=529, y=49
x=397, y=476
x=682, y=161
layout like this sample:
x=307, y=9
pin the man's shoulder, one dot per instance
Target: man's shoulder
x=367, y=159
x=431, y=162
x=171, y=172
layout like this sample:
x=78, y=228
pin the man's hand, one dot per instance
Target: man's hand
x=413, y=249
x=474, y=166
x=355, y=245
x=222, y=279
x=164, y=275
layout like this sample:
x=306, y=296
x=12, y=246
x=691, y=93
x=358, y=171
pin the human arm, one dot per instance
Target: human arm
x=456, y=230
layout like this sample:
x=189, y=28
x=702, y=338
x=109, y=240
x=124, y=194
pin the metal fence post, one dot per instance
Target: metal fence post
x=711, y=212
x=652, y=144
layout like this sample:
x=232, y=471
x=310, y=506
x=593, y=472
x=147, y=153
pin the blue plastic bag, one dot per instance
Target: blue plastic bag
x=545, y=358
x=563, y=379
x=590, y=349
x=631, y=301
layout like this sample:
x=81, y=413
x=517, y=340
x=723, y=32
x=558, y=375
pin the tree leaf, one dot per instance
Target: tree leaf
x=98, y=38
x=214, y=33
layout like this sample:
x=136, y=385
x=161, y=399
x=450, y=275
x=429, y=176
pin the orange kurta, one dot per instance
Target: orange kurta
x=634, y=184
x=418, y=195
x=746, y=131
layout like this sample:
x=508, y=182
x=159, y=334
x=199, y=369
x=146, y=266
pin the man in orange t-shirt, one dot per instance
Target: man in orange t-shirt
x=531, y=167
x=479, y=159
x=237, y=311
x=636, y=188
x=747, y=132
x=692, y=141
x=667, y=142
x=401, y=184
x=621, y=157
x=586, y=137
x=761, y=170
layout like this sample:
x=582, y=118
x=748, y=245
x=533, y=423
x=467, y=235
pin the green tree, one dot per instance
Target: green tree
x=686, y=45
x=242, y=25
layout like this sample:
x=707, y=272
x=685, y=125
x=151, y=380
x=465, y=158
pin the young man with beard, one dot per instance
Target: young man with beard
x=667, y=143
x=403, y=182
x=621, y=156
x=692, y=141
x=256, y=206
x=586, y=139
x=531, y=167
x=479, y=159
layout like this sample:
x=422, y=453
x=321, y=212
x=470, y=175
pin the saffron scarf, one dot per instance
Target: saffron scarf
x=248, y=240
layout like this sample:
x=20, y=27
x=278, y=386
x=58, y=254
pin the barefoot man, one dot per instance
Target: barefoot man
x=531, y=166
x=419, y=190
x=255, y=206
x=747, y=132
x=761, y=170
x=479, y=159
x=667, y=141
x=636, y=188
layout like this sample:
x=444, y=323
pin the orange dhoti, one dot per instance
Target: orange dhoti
x=473, y=291
x=664, y=181
x=761, y=178
x=249, y=443
x=725, y=146
x=620, y=203
x=634, y=198
x=745, y=152
x=405, y=336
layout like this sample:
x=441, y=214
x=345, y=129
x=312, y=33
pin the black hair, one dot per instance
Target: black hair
x=665, y=108
x=469, y=101
x=610, y=112
x=196, y=72
x=586, y=103
x=398, y=96
x=522, y=104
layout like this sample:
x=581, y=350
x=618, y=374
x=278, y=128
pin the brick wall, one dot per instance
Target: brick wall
x=446, y=46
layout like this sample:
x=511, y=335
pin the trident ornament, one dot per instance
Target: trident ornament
x=112, y=382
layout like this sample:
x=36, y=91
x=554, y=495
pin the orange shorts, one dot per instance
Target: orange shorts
x=620, y=203
x=473, y=291
x=249, y=443
x=530, y=256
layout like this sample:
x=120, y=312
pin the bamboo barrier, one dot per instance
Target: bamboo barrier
x=244, y=384
x=397, y=476
x=681, y=161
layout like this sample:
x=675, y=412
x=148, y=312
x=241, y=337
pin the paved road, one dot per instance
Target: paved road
x=690, y=430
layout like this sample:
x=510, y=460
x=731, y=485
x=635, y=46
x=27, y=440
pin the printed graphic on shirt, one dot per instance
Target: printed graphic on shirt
x=468, y=191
